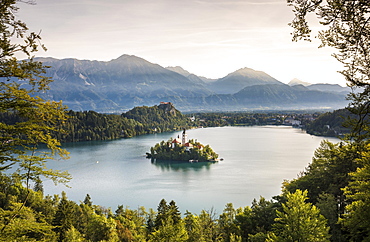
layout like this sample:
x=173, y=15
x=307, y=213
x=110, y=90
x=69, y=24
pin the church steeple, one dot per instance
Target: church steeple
x=184, y=137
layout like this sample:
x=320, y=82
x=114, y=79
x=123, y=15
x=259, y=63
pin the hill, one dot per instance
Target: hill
x=330, y=124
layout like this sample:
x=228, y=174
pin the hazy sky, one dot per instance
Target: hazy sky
x=210, y=38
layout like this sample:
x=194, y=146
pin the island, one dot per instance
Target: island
x=182, y=149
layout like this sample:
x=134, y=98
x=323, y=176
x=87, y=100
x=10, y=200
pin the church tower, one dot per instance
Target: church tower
x=184, y=137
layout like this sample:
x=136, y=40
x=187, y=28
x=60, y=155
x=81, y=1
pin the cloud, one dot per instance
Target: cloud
x=209, y=37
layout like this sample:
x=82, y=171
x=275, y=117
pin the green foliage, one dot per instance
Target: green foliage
x=328, y=206
x=336, y=182
x=169, y=231
x=64, y=217
x=163, y=117
x=101, y=228
x=328, y=172
x=37, y=119
x=299, y=221
x=27, y=121
x=193, y=227
x=356, y=219
x=330, y=124
x=227, y=223
x=346, y=27
x=130, y=224
x=59, y=219
x=90, y=125
x=174, y=152
x=251, y=118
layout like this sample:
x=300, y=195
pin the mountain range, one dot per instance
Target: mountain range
x=128, y=81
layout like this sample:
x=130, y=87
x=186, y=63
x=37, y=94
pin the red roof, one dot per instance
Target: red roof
x=188, y=145
x=177, y=141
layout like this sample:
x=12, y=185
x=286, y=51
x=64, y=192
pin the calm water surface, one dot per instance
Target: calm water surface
x=256, y=162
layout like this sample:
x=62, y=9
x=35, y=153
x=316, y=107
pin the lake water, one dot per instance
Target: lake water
x=256, y=161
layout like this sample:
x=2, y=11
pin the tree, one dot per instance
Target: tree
x=328, y=172
x=193, y=228
x=356, y=220
x=162, y=213
x=20, y=81
x=101, y=228
x=131, y=224
x=30, y=121
x=227, y=223
x=174, y=212
x=347, y=29
x=64, y=217
x=209, y=226
x=169, y=231
x=328, y=205
x=87, y=200
x=299, y=221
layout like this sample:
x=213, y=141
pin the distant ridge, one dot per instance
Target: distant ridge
x=329, y=88
x=128, y=81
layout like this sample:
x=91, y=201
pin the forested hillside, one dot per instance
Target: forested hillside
x=330, y=124
x=90, y=125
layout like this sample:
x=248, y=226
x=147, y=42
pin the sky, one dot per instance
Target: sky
x=209, y=38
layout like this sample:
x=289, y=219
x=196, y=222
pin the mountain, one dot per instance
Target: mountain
x=240, y=79
x=329, y=88
x=190, y=76
x=121, y=83
x=129, y=81
x=278, y=96
x=296, y=81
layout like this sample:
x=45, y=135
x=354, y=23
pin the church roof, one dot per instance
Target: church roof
x=188, y=145
x=177, y=141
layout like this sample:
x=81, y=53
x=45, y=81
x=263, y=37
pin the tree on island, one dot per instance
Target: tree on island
x=178, y=152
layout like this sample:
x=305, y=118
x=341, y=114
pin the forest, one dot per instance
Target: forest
x=332, y=124
x=328, y=201
x=90, y=125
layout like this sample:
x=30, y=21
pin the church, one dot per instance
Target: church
x=183, y=141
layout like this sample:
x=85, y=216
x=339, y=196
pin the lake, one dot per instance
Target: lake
x=257, y=159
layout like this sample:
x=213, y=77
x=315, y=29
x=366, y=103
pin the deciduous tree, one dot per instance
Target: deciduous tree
x=299, y=221
x=37, y=119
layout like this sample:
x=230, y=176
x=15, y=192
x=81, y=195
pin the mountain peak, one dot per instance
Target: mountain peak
x=245, y=71
x=179, y=70
x=128, y=57
x=296, y=81
x=240, y=79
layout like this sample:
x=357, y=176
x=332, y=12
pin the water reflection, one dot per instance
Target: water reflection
x=166, y=165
